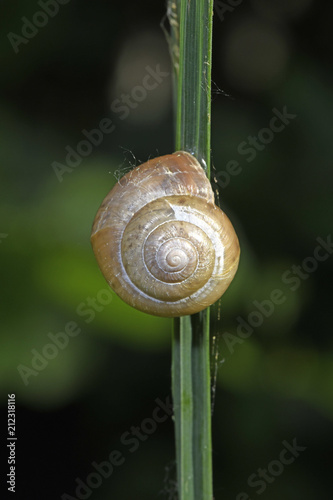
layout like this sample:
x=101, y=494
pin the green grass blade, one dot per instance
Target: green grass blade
x=190, y=45
x=194, y=79
x=202, y=439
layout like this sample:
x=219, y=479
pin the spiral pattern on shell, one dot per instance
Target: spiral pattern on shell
x=162, y=244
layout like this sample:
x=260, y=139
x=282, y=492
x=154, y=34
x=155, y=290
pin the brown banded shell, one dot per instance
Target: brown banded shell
x=161, y=242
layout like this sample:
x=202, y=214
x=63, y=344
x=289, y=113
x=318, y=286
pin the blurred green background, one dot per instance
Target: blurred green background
x=276, y=385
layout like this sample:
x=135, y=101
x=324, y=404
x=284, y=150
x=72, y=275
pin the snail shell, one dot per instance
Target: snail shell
x=161, y=242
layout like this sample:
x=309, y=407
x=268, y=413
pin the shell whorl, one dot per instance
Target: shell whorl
x=161, y=242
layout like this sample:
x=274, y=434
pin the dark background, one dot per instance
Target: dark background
x=272, y=387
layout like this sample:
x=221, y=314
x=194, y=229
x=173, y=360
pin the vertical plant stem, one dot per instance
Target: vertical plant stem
x=190, y=44
x=202, y=439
